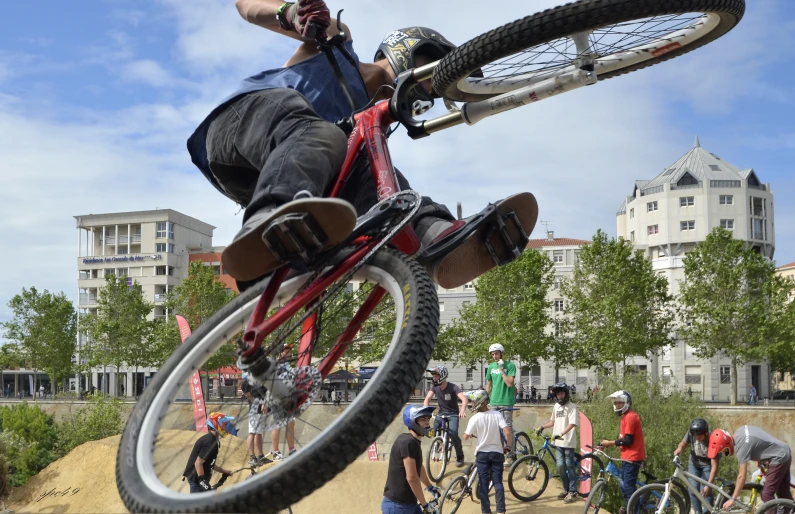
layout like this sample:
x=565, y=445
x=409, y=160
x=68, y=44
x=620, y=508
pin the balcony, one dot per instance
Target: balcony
x=160, y=316
x=159, y=298
x=760, y=187
x=651, y=190
x=88, y=299
x=686, y=186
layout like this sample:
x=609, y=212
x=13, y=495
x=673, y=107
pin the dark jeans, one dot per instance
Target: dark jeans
x=266, y=146
x=452, y=426
x=567, y=468
x=703, y=473
x=390, y=507
x=490, y=467
x=629, y=479
x=777, y=481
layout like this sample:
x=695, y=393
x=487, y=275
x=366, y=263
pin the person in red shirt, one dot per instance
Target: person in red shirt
x=630, y=442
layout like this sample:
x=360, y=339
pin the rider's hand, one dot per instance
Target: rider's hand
x=557, y=437
x=203, y=483
x=501, y=363
x=540, y=431
x=434, y=491
x=462, y=413
x=705, y=492
x=432, y=507
x=728, y=504
x=309, y=18
x=506, y=448
x=677, y=452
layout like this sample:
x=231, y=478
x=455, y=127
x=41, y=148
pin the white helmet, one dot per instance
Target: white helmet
x=621, y=396
x=496, y=347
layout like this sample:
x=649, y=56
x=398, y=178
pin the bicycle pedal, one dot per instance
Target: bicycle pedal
x=295, y=236
x=502, y=227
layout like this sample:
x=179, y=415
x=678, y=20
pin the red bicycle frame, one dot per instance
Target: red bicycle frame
x=369, y=134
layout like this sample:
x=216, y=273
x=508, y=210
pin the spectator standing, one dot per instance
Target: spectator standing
x=501, y=386
x=752, y=396
x=564, y=421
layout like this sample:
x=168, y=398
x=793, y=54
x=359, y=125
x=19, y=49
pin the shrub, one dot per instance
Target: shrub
x=28, y=437
x=98, y=419
x=665, y=415
x=4, y=487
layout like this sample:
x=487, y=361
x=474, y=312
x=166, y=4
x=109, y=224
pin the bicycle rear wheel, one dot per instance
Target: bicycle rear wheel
x=648, y=500
x=523, y=445
x=151, y=458
x=779, y=506
x=436, y=459
x=453, y=495
x=528, y=478
x=596, y=498
x=622, y=36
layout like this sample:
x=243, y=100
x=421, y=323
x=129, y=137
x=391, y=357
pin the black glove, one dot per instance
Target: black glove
x=203, y=483
x=309, y=18
x=432, y=507
x=540, y=431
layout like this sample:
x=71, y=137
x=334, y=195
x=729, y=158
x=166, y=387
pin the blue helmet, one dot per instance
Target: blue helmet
x=413, y=412
x=221, y=423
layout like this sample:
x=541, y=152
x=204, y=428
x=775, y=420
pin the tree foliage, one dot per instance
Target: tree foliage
x=11, y=356
x=617, y=306
x=511, y=308
x=730, y=301
x=28, y=435
x=44, y=328
x=118, y=332
x=97, y=419
x=780, y=332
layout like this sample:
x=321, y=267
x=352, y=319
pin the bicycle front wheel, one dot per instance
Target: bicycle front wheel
x=528, y=478
x=648, y=500
x=159, y=434
x=589, y=467
x=615, y=37
x=596, y=498
x=436, y=459
x=453, y=495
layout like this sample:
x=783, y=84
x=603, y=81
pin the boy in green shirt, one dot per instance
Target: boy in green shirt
x=500, y=384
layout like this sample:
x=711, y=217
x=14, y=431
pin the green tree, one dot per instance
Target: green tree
x=119, y=327
x=44, y=327
x=511, y=308
x=616, y=305
x=196, y=299
x=29, y=436
x=10, y=356
x=98, y=419
x=729, y=300
x=780, y=331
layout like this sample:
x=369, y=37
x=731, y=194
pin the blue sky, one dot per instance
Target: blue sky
x=97, y=99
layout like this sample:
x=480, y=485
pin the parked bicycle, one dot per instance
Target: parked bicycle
x=654, y=497
x=306, y=301
x=529, y=476
x=440, y=450
x=678, y=499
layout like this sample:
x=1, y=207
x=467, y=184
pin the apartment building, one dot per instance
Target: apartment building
x=148, y=247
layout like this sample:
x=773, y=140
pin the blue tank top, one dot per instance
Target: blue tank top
x=314, y=78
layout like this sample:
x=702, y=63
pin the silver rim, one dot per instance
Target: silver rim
x=614, y=47
x=150, y=424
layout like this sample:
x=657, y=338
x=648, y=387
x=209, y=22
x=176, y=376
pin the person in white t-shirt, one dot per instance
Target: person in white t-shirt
x=564, y=421
x=486, y=424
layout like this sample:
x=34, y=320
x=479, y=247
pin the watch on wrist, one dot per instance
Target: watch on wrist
x=281, y=16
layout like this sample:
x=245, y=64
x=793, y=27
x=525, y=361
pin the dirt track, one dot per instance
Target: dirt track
x=84, y=482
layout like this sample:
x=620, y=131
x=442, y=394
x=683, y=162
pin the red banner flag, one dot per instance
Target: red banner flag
x=196, y=394
x=586, y=439
x=372, y=452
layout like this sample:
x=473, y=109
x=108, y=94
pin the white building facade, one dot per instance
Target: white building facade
x=148, y=247
x=666, y=217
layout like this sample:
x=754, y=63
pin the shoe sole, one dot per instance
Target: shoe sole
x=249, y=257
x=472, y=258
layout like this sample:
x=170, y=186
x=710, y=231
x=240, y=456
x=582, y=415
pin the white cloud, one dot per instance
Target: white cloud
x=579, y=153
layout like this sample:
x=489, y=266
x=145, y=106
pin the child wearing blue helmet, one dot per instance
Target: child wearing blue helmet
x=201, y=462
x=403, y=493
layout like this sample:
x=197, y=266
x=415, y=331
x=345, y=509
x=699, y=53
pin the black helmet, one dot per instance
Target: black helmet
x=699, y=426
x=400, y=47
x=561, y=386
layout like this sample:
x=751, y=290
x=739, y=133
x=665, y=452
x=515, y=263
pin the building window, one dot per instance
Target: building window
x=666, y=353
x=757, y=207
x=632, y=213
x=160, y=247
x=468, y=286
x=687, y=225
x=556, y=283
x=576, y=256
x=441, y=306
x=692, y=374
x=651, y=206
x=690, y=352
x=758, y=229
x=470, y=374
x=164, y=270
x=557, y=256
x=121, y=272
x=666, y=374
x=122, y=250
x=632, y=236
x=653, y=229
x=558, y=305
x=727, y=224
x=687, y=201
x=725, y=375
x=109, y=272
x=727, y=199
x=165, y=229
x=558, y=328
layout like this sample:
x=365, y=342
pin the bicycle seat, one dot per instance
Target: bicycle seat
x=649, y=477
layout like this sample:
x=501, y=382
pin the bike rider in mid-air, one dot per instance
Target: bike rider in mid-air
x=272, y=146
x=448, y=394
